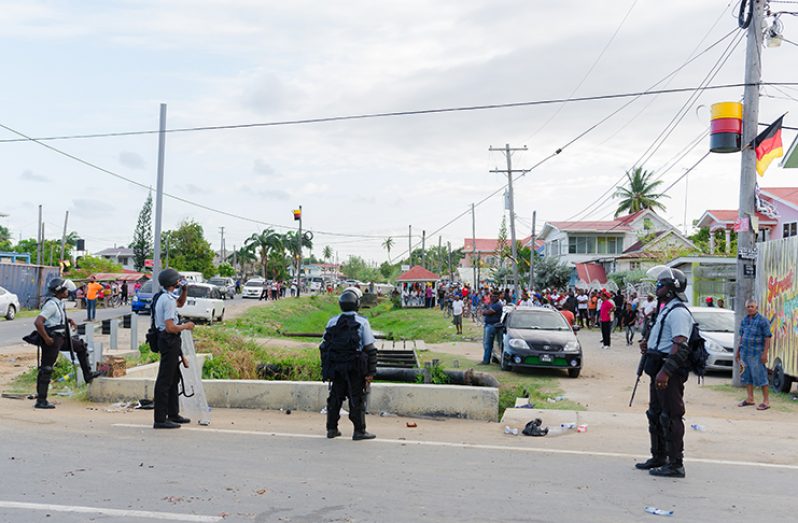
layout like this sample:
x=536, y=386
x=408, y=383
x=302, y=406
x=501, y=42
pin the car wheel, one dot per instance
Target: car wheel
x=221, y=316
x=11, y=313
x=778, y=379
x=505, y=363
x=574, y=373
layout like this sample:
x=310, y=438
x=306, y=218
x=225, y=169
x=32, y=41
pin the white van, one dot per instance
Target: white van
x=253, y=288
x=192, y=277
x=204, y=302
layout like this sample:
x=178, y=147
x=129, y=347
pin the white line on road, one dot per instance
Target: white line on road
x=478, y=446
x=144, y=514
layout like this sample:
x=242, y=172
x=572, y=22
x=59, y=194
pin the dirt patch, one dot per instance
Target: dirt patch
x=14, y=360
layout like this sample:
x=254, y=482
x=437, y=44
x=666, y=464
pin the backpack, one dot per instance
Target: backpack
x=340, y=349
x=697, y=355
x=152, y=333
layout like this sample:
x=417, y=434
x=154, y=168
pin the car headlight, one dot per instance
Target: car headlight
x=572, y=346
x=712, y=346
x=518, y=344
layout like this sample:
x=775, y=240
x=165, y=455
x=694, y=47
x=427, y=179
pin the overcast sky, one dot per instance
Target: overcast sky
x=97, y=66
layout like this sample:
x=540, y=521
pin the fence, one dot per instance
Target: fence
x=28, y=282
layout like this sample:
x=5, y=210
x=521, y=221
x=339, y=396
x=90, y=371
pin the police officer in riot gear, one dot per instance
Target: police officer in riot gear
x=349, y=362
x=53, y=325
x=164, y=310
x=666, y=353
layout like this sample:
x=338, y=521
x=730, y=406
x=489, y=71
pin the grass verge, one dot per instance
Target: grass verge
x=779, y=401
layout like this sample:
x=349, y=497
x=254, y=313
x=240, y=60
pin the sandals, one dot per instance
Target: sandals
x=746, y=403
x=762, y=406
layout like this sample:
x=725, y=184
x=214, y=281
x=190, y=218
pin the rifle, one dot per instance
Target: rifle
x=640, y=367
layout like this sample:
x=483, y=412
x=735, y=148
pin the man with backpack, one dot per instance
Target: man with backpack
x=348, y=364
x=169, y=344
x=667, y=355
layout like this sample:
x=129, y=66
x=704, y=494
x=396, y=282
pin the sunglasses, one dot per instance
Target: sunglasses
x=661, y=284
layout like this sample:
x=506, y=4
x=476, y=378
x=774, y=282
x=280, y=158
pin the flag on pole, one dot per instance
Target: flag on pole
x=768, y=146
x=297, y=214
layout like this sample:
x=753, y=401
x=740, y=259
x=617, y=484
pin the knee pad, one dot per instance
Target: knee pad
x=665, y=421
x=653, y=417
x=46, y=371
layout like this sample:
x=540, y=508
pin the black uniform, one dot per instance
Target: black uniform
x=348, y=356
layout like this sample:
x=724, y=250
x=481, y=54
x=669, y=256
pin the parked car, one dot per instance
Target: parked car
x=253, y=288
x=142, y=300
x=9, y=304
x=717, y=328
x=538, y=337
x=316, y=284
x=192, y=277
x=204, y=302
x=227, y=286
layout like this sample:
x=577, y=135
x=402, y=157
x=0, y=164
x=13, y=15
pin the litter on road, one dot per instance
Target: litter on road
x=658, y=511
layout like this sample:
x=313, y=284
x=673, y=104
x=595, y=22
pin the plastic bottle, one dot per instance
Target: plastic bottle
x=697, y=427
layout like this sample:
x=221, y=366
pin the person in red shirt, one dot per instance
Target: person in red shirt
x=605, y=318
x=569, y=316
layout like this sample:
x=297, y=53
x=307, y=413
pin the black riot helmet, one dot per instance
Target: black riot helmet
x=349, y=300
x=168, y=278
x=674, y=280
x=57, y=285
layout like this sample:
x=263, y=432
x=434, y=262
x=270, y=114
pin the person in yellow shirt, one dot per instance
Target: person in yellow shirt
x=93, y=290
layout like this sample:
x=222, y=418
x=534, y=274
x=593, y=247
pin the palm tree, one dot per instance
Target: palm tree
x=640, y=193
x=387, y=245
x=327, y=253
x=243, y=257
x=264, y=242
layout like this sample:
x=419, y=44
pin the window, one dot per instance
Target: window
x=634, y=266
x=595, y=245
x=789, y=229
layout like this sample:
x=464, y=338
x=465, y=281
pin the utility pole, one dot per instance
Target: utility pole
x=41, y=246
x=474, y=245
x=745, y=237
x=423, y=249
x=299, y=250
x=451, y=274
x=508, y=154
x=63, y=237
x=532, y=255
x=224, y=253
x=156, y=256
x=39, y=239
x=410, y=245
x=440, y=257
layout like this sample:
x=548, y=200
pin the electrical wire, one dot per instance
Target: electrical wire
x=366, y=116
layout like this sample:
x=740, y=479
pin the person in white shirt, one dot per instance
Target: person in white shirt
x=457, y=313
x=581, y=307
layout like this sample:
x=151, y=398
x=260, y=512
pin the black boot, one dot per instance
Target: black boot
x=651, y=463
x=357, y=436
x=43, y=404
x=671, y=470
x=333, y=433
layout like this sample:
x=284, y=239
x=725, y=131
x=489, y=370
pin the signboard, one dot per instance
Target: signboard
x=749, y=270
x=405, y=268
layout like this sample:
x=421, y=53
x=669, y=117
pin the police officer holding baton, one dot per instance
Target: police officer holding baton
x=666, y=352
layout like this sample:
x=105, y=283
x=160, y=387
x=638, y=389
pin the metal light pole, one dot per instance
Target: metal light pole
x=156, y=261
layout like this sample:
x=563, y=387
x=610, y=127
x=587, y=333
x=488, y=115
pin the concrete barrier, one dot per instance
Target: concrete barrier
x=479, y=403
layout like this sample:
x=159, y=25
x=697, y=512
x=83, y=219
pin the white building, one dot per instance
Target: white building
x=121, y=255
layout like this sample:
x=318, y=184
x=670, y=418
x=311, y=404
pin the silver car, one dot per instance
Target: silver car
x=9, y=304
x=717, y=329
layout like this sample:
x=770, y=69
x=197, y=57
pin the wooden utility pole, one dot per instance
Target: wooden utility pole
x=63, y=237
x=532, y=255
x=508, y=154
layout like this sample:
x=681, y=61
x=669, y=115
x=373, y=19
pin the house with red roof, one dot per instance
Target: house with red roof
x=776, y=217
x=598, y=247
x=486, y=249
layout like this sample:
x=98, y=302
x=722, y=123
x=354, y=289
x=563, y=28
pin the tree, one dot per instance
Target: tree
x=244, y=258
x=226, y=270
x=549, y=273
x=190, y=251
x=356, y=268
x=502, y=251
x=5, y=238
x=51, y=250
x=142, y=235
x=388, y=245
x=88, y=265
x=264, y=242
x=640, y=193
x=327, y=253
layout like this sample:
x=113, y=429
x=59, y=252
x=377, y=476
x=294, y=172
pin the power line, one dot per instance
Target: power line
x=483, y=107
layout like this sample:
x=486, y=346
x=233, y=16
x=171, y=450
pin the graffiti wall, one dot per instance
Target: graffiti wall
x=777, y=295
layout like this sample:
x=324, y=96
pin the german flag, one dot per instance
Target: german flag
x=768, y=146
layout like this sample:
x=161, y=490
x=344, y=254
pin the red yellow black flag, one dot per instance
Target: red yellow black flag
x=768, y=146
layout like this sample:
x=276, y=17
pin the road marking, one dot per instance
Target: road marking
x=145, y=514
x=478, y=446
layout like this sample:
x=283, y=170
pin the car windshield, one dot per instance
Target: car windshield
x=714, y=321
x=217, y=281
x=146, y=288
x=254, y=284
x=198, y=292
x=543, y=320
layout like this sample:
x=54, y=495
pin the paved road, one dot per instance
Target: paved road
x=11, y=332
x=122, y=470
